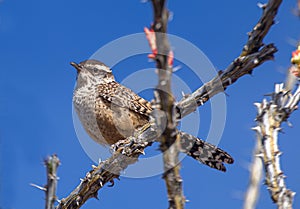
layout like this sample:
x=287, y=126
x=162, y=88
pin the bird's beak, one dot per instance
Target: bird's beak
x=76, y=66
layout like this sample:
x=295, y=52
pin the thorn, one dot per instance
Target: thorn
x=280, y=130
x=265, y=102
x=99, y=160
x=101, y=184
x=289, y=124
x=201, y=102
x=171, y=16
x=95, y=195
x=175, y=69
x=261, y=5
x=229, y=80
x=81, y=180
x=281, y=175
x=256, y=128
x=77, y=200
x=38, y=187
x=260, y=155
x=94, y=166
x=257, y=104
x=273, y=106
x=88, y=175
x=275, y=22
x=141, y=152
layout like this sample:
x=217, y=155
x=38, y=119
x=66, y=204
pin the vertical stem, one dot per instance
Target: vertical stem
x=164, y=98
x=252, y=193
x=271, y=114
x=51, y=164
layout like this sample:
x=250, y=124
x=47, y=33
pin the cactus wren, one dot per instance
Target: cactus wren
x=110, y=112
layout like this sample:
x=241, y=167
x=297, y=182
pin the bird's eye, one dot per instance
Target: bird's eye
x=95, y=71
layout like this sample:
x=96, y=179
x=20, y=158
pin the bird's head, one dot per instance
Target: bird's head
x=92, y=72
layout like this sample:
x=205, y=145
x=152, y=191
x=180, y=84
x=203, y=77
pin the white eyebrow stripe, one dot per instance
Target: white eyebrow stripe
x=100, y=67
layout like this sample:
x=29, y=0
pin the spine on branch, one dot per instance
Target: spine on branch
x=271, y=114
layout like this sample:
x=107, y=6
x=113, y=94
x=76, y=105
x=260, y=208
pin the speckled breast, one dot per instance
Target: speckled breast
x=84, y=104
x=105, y=122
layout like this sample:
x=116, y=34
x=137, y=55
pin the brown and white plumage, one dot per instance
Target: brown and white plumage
x=110, y=112
x=124, y=97
x=119, y=111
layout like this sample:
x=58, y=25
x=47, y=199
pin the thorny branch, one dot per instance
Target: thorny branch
x=256, y=166
x=256, y=36
x=169, y=140
x=51, y=164
x=125, y=153
x=269, y=119
x=253, y=54
x=239, y=67
x=134, y=146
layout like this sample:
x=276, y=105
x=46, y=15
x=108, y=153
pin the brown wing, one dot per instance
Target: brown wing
x=124, y=97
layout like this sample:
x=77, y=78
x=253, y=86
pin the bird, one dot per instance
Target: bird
x=110, y=112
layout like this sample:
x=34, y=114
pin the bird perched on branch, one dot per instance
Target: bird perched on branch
x=110, y=112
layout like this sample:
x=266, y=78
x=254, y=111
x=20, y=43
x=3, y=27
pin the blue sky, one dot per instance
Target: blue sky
x=38, y=39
